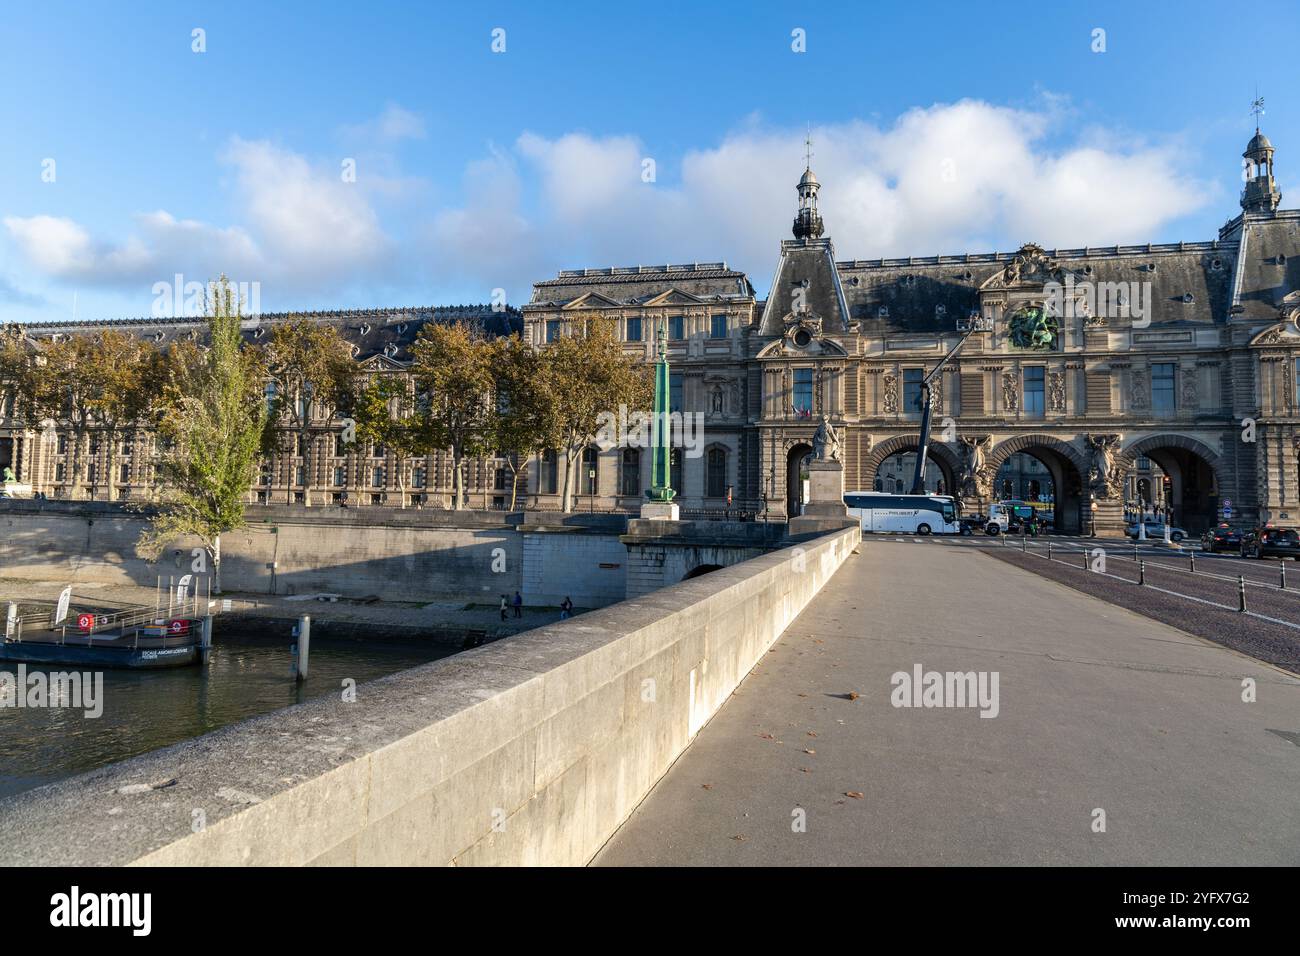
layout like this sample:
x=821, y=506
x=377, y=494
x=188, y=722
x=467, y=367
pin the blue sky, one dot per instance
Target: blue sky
x=938, y=128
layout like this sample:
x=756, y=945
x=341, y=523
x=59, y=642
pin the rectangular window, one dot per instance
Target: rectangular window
x=912, y=378
x=1162, y=388
x=1034, y=381
x=60, y=472
x=552, y=330
x=340, y=446
x=718, y=327
x=377, y=477
x=340, y=477
x=634, y=329
x=674, y=391
x=1296, y=379
x=677, y=327
x=300, y=475
x=803, y=391
x=124, y=472
x=63, y=444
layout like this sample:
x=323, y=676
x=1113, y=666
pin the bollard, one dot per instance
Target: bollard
x=1135, y=551
x=1084, y=554
x=205, y=639
x=1049, y=549
x=1282, y=564
x=1191, y=556
x=1022, y=542
x=1241, y=593
x=303, y=647
x=1142, y=572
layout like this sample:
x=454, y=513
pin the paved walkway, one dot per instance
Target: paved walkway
x=1098, y=708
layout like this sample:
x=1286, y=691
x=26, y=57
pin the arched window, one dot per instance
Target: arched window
x=590, y=470
x=546, y=478
x=676, y=472
x=630, y=473
x=716, y=473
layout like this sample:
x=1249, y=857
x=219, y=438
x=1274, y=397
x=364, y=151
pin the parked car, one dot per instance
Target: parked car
x=1269, y=541
x=1156, y=529
x=1222, y=537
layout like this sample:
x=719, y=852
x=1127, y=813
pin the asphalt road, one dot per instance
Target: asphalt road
x=1099, y=710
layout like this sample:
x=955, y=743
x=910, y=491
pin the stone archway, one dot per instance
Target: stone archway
x=794, y=461
x=1194, y=471
x=943, y=456
x=1066, y=464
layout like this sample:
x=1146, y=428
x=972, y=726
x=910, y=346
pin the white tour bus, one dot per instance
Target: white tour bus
x=904, y=514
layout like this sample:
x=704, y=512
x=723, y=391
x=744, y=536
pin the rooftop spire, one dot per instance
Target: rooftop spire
x=1260, y=194
x=808, y=223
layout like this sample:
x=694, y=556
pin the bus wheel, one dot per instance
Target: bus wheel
x=923, y=529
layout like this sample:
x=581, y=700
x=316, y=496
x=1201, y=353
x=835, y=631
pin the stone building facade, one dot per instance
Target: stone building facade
x=1185, y=355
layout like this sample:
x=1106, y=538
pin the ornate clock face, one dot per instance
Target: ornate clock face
x=1032, y=328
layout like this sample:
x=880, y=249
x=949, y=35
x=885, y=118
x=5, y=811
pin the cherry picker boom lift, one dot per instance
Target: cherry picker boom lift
x=974, y=323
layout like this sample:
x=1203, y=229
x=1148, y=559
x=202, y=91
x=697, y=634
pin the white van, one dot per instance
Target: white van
x=903, y=514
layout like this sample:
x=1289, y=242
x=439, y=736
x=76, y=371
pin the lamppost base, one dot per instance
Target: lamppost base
x=661, y=511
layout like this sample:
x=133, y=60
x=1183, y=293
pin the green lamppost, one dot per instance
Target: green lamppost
x=660, y=455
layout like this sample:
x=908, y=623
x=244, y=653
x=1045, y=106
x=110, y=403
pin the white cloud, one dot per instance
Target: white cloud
x=392, y=125
x=311, y=225
x=965, y=176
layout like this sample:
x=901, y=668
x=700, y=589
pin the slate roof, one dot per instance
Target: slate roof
x=913, y=289
x=1269, y=263
x=808, y=265
x=633, y=285
x=389, y=332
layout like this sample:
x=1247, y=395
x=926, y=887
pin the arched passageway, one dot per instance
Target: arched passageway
x=796, y=461
x=894, y=460
x=1189, y=487
x=1061, y=468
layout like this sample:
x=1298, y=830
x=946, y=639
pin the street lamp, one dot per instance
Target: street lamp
x=1093, y=532
x=591, y=489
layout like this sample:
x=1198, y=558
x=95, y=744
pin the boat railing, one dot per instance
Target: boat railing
x=167, y=613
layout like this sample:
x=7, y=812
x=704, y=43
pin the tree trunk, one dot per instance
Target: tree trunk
x=216, y=565
x=567, y=499
x=110, y=480
x=303, y=440
x=457, y=481
x=401, y=482
x=515, y=473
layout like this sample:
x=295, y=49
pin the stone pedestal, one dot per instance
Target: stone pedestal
x=661, y=511
x=825, y=510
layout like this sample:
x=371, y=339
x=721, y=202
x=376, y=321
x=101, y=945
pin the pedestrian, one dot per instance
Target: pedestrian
x=566, y=607
x=519, y=605
x=503, y=607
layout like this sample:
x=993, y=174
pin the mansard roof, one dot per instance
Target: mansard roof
x=1267, y=273
x=806, y=280
x=642, y=285
x=1191, y=282
x=372, y=332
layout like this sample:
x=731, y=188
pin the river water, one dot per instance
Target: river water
x=145, y=710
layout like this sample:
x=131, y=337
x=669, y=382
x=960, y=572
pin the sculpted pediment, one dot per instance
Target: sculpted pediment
x=674, y=296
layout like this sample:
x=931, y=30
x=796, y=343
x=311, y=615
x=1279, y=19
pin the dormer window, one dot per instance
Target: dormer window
x=883, y=312
x=365, y=329
x=940, y=310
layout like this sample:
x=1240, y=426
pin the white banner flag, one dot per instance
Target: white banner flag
x=64, y=597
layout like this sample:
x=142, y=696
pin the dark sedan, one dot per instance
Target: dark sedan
x=1271, y=542
x=1224, y=537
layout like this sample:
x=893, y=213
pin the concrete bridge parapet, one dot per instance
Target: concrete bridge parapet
x=527, y=751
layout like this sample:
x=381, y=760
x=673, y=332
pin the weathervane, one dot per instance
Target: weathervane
x=1257, y=107
x=807, y=144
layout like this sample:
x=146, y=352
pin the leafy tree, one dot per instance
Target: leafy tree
x=118, y=390
x=523, y=421
x=213, y=425
x=452, y=369
x=586, y=372
x=310, y=366
x=63, y=388
x=387, y=415
x=17, y=370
